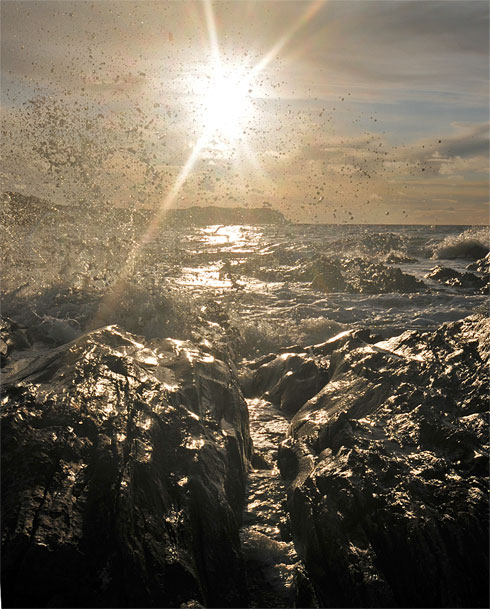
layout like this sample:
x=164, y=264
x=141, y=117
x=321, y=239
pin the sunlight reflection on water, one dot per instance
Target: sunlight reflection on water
x=238, y=237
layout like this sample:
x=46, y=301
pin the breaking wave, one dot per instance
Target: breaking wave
x=471, y=244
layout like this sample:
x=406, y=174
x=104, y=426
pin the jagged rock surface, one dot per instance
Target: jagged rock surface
x=12, y=337
x=453, y=278
x=398, y=258
x=123, y=477
x=388, y=471
x=287, y=380
x=481, y=266
x=353, y=275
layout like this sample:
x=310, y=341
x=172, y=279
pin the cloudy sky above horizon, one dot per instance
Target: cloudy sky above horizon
x=353, y=111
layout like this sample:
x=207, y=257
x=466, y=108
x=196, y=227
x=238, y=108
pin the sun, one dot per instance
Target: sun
x=226, y=103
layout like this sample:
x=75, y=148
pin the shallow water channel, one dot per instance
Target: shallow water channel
x=271, y=560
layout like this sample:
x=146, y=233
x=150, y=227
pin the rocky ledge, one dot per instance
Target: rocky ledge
x=352, y=275
x=387, y=467
x=123, y=476
x=125, y=466
x=452, y=278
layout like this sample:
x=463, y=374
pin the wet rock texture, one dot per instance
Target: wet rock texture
x=13, y=337
x=287, y=380
x=366, y=277
x=388, y=471
x=452, y=278
x=123, y=477
x=353, y=275
x=482, y=265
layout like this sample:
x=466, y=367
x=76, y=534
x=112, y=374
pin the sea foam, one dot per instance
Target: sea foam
x=472, y=243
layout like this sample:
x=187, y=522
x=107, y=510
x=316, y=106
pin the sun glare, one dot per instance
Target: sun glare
x=226, y=101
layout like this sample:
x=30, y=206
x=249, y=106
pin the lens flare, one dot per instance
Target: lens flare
x=227, y=104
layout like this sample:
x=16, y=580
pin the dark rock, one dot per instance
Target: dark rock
x=360, y=276
x=12, y=337
x=123, y=477
x=352, y=338
x=455, y=279
x=288, y=380
x=366, y=277
x=305, y=593
x=396, y=258
x=192, y=604
x=353, y=275
x=330, y=278
x=469, y=281
x=388, y=472
x=270, y=571
x=481, y=266
x=442, y=273
x=260, y=461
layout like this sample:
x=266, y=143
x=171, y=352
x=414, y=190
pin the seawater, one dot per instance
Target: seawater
x=235, y=281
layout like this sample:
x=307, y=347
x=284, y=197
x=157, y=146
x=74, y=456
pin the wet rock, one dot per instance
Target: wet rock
x=388, y=468
x=441, y=273
x=469, y=281
x=270, y=571
x=192, y=604
x=360, y=276
x=288, y=380
x=348, y=339
x=329, y=282
x=123, y=477
x=12, y=337
x=354, y=275
x=366, y=277
x=330, y=278
x=398, y=258
x=481, y=266
x=260, y=461
x=453, y=278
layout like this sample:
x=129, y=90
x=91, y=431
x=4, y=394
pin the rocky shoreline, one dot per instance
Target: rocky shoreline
x=135, y=475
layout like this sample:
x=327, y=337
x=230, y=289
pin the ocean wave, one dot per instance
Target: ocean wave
x=61, y=312
x=369, y=243
x=472, y=243
x=268, y=335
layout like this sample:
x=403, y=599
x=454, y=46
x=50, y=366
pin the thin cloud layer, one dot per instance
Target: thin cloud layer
x=369, y=109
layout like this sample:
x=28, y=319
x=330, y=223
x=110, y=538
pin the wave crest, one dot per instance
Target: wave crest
x=472, y=244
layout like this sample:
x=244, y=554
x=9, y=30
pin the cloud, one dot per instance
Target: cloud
x=465, y=150
x=402, y=46
x=460, y=27
x=469, y=140
x=457, y=165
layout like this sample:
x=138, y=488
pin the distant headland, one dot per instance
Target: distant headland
x=200, y=216
x=25, y=209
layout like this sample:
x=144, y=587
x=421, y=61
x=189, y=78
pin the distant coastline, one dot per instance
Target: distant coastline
x=201, y=216
x=27, y=209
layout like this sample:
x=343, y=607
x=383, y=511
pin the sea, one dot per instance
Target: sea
x=254, y=288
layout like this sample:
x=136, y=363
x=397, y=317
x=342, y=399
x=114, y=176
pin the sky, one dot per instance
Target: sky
x=351, y=111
